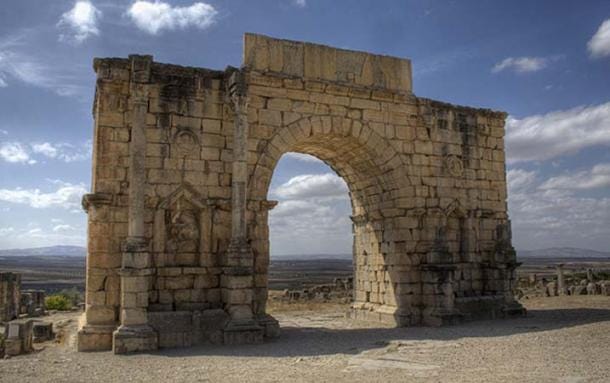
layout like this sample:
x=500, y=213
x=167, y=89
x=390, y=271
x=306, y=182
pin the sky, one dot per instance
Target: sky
x=547, y=63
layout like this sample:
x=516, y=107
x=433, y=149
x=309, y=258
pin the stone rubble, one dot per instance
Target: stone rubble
x=571, y=284
x=18, y=337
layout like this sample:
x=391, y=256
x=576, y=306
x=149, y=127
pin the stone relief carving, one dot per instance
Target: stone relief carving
x=454, y=165
x=186, y=141
x=183, y=232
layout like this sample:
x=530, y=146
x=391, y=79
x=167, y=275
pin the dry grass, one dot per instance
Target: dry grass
x=277, y=305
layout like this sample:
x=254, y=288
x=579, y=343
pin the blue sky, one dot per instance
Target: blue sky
x=547, y=63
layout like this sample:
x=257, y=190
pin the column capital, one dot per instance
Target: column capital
x=140, y=68
x=237, y=92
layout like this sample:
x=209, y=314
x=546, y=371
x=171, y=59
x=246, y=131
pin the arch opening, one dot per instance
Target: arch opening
x=370, y=181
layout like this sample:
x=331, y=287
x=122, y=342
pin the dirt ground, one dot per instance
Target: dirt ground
x=563, y=339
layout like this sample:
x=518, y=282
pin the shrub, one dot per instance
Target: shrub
x=73, y=295
x=58, y=302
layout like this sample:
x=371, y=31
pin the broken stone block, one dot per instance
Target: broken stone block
x=593, y=289
x=32, y=303
x=10, y=296
x=18, y=337
x=42, y=331
x=579, y=290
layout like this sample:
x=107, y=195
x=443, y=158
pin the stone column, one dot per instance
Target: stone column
x=237, y=281
x=590, y=276
x=240, y=254
x=561, y=285
x=134, y=333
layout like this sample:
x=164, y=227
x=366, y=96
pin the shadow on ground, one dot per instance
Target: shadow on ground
x=316, y=341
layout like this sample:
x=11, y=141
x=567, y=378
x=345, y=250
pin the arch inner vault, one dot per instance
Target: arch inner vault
x=178, y=239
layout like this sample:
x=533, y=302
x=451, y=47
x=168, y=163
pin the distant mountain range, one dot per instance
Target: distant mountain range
x=563, y=252
x=65, y=251
x=79, y=251
x=309, y=257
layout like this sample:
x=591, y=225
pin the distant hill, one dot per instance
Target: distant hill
x=310, y=257
x=65, y=251
x=562, y=252
x=79, y=251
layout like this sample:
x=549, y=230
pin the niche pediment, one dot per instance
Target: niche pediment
x=184, y=192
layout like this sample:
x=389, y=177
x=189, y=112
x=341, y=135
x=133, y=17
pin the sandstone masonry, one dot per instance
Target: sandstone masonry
x=178, y=247
x=10, y=297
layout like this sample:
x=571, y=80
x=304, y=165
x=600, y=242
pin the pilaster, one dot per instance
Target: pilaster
x=134, y=333
x=237, y=281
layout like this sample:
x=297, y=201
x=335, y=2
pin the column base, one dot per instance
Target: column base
x=128, y=339
x=443, y=317
x=382, y=314
x=95, y=338
x=243, y=332
x=270, y=325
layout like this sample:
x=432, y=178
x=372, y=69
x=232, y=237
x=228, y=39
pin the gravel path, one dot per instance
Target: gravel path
x=565, y=339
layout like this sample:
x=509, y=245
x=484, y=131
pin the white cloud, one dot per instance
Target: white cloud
x=17, y=64
x=30, y=71
x=63, y=228
x=519, y=179
x=3, y=132
x=35, y=231
x=546, y=136
x=80, y=22
x=545, y=216
x=17, y=152
x=64, y=151
x=14, y=152
x=295, y=217
x=46, y=149
x=521, y=64
x=300, y=3
x=312, y=186
x=302, y=157
x=4, y=231
x=67, y=196
x=311, y=226
x=597, y=177
x=154, y=17
x=311, y=206
x=599, y=45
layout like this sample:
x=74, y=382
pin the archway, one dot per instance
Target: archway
x=371, y=174
x=310, y=238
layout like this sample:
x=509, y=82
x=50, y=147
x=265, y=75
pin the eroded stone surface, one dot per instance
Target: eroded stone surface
x=183, y=158
x=10, y=296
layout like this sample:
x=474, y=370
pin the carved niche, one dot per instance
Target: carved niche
x=451, y=240
x=181, y=229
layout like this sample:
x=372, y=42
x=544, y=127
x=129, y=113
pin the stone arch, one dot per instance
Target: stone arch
x=316, y=135
x=373, y=171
